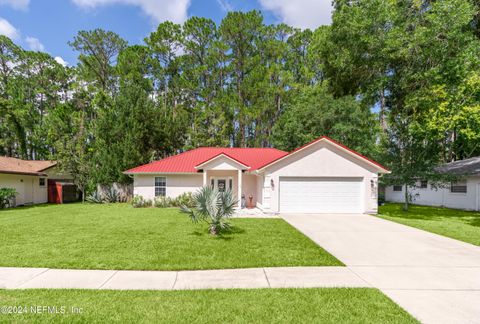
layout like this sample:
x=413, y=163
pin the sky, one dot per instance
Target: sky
x=48, y=25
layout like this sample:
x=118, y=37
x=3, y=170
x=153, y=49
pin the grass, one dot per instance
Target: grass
x=330, y=305
x=453, y=223
x=117, y=236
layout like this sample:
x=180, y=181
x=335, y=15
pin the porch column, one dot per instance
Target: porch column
x=239, y=190
x=204, y=178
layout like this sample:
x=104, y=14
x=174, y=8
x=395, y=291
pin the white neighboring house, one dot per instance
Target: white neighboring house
x=322, y=176
x=28, y=178
x=462, y=194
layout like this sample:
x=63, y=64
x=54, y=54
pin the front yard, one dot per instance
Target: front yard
x=456, y=224
x=117, y=236
x=332, y=305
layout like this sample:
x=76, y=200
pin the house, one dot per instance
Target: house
x=322, y=176
x=461, y=194
x=31, y=179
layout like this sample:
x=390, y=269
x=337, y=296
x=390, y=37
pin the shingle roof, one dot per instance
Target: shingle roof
x=463, y=167
x=17, y=166
x=185, y=162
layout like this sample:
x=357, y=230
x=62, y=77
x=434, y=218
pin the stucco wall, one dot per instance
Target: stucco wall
x=321, y=159
x=144, y=185
x=27, y=187
x=440, y=196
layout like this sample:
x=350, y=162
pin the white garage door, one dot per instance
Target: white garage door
x=321, y=195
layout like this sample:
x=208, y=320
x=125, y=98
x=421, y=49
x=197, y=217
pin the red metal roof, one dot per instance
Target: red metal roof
x=185, y=162
x=255, y=158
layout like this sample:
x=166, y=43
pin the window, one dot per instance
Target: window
x=160, y=186
x=397, y=188
x=458, y=187
x=423, y=184
x=41, y=182
x=373, y=188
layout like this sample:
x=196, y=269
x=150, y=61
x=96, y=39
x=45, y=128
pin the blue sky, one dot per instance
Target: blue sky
x=47, y=25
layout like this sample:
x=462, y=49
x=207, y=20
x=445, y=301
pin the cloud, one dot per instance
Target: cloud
x=300, y=13
x=225, y=5
x=8, y=30
x=159, y=10
x=61, y=61
x=16, y=4
x=35, y=44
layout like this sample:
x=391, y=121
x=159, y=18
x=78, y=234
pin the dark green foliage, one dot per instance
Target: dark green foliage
x=315, y=112
x=6, y=197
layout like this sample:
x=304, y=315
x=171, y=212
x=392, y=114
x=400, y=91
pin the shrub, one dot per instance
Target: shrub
x=139, y=202
x=111, y=195
x=94, y=197
x=185, y=199
x=163, y=202
x=7, y=196
x=213, y=207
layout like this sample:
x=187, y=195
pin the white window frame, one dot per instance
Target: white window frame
x=159, y=187
x=401, y=186
x=44, y=182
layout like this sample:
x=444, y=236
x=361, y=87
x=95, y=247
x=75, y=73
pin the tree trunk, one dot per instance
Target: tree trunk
x=405, y=204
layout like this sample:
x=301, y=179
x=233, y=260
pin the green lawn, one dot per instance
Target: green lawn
x=331, y=305
x=457, y=224
x=117, y=236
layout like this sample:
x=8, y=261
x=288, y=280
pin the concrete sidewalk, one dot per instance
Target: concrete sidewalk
x=294, y=277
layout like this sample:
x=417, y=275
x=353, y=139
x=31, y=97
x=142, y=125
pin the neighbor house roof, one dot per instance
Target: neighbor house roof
x=253, y=158
x=17, y=166
x=187, y=161
x=463, y=167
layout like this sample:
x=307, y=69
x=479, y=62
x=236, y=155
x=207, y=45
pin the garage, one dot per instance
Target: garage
x=321, y=195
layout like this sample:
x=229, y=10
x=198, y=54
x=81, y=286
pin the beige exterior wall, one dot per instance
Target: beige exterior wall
x=321, y=159
x=144, y=185
x=27, y=187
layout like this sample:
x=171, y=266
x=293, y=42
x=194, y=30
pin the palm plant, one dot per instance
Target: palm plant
x=213, y=207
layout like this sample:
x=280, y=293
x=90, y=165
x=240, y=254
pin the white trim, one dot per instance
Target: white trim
x=219, y=156
x=318, y=141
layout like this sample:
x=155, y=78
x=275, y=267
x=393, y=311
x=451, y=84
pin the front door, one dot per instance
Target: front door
x=222, y=183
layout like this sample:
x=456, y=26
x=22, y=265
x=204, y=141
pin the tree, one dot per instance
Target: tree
x=396, y=55
x=98, y=52
x=315, y=112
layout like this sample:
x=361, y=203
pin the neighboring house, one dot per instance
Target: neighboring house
x=321, y=177
x=30, y=179
x=462, y=194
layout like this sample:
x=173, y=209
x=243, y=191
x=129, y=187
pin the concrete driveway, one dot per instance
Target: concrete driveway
x=435, y=278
